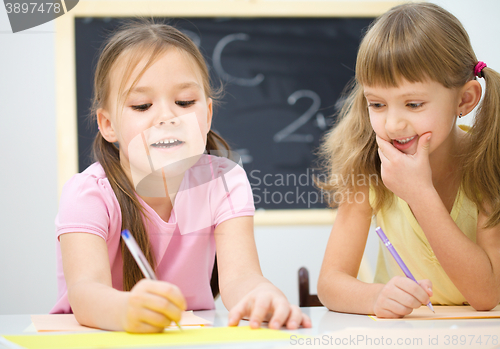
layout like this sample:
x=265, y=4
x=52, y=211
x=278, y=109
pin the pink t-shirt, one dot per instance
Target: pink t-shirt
x=214, y=190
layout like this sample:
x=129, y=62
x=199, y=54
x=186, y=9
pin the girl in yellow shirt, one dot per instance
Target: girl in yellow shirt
x=398, y=153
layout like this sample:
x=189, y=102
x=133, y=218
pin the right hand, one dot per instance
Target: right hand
x=152, y=305
x=400, y=296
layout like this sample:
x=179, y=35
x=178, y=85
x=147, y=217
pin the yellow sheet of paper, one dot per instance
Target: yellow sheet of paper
x=444, y=312
x=67, y=322
x=209, y=335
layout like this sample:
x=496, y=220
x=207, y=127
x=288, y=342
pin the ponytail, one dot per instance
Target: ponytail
x=481, y=173
x=108, y=155
x=216, y=142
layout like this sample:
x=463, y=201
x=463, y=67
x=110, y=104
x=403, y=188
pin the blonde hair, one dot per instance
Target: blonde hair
x=132, y=42
x=416, y=42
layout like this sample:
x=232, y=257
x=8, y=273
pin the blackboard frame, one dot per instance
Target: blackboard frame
x=66, y=105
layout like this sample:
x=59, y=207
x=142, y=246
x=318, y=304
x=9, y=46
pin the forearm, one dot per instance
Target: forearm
x=466, y=263
x=344, y=293
x=97, y=305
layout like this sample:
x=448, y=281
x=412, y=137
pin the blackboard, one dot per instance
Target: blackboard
x=283, y=79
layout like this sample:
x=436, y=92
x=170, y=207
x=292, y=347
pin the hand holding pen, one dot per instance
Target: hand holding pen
x=403, y=297
x=152, y=305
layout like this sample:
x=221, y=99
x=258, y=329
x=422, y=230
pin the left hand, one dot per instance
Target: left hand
x=403, y=174
x=267, y=303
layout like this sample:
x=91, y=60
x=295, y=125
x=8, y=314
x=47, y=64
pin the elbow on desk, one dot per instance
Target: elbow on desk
x=325, y=294
x=484, y=304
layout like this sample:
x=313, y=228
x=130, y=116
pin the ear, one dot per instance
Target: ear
x=106, y=126
x=470, y=95
x=209, y=113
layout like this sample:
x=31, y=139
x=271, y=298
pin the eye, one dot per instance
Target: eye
x=375, y=105
x=141, y=107
x=185, y=104
x=414, y=105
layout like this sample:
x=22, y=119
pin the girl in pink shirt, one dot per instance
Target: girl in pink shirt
x=153, y=176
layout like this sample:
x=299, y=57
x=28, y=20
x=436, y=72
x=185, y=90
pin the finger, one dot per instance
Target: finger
x=142, y=327
x=260, y=310
x=406, y=298
x=418, y=295
x=306, y=321
x=154, y=319
x=387, y=148
x=238, y=312
x=295, y=318
x=155, y=303
x=169, y=291
x=165, y=307
x=382, y=156
x=427, y=286
x=424, y=143
x=392, y=309
x=281, y=314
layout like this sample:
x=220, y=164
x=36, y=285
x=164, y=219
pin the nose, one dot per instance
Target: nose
x=394, y=122
x=173, y=121
x=167, y=117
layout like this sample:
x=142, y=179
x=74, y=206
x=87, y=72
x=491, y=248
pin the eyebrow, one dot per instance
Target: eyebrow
x=186, y=85
x=145, y=89
x=136, y=89
x=413, y=93
x=405, y=95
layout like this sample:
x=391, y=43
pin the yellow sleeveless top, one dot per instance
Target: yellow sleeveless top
x=408, y=238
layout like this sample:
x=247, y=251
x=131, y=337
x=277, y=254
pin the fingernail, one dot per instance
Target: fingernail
x=292, y=324
x=276, y=325
x=254, y=324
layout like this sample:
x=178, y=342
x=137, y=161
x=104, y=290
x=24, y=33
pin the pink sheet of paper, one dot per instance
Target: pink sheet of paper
x=57, y=322
x=67, y=322
x=444, y=312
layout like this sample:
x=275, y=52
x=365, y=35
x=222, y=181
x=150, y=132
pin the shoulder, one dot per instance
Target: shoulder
x=88, y=203
x=91, y=184
x=224, y=166
x=230, y=191
x=217, y=167
x=92, y=176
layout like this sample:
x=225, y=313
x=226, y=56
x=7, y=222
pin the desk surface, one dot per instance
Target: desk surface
x=331, y=326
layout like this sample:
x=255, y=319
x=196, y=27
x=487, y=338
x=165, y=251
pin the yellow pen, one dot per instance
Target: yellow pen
x=140, y=259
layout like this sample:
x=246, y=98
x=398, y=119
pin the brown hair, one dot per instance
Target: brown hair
x=416, y=42
x=135, y=40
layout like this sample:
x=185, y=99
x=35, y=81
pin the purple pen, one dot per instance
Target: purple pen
x=398, y=259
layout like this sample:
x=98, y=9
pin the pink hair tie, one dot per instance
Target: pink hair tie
x=479, y=68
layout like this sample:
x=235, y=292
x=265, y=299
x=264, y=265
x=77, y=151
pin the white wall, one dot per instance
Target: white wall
x=28, y=203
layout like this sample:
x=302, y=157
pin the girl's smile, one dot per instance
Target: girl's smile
x=167, y=143
x=405, y=143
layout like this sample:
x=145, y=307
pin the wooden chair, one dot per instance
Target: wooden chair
x=214, y=280
x=306, y=299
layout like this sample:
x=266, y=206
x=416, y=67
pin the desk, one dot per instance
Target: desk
x=326, y=322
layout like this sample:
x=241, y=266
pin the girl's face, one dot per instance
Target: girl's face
x=164, y=119
x=402, y=114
